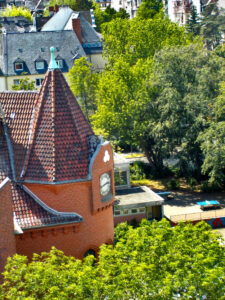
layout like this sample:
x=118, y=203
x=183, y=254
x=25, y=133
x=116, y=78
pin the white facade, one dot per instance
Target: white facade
x=131, y=6
x=178, y=10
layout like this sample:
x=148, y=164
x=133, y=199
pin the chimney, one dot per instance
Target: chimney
x=51, y=11
x=77, y=28
x=56, y=8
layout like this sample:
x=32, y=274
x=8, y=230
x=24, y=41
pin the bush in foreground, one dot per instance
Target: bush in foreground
x=153, y=261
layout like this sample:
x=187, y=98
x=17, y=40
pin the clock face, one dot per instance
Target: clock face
x=105, y=184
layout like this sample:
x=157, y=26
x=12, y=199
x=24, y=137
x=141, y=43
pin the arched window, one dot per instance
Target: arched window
x=90, y=252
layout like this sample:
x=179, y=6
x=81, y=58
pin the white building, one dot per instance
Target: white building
x=131, y=6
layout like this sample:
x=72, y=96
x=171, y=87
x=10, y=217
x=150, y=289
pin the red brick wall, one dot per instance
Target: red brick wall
x=77, y=29
x=7, y=237
x=83, y=198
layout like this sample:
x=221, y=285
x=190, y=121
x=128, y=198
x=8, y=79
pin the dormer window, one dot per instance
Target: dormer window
x=19, y=66
x=40, y=65
x=59, y=63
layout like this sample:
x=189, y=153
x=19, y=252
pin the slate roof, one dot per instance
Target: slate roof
x=62, y=20
x=21, y=46
x=15, y=24
x=59, y=144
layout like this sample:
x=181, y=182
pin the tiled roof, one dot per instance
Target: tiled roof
x=29, y=213
x=59, y=146
x=18, y=109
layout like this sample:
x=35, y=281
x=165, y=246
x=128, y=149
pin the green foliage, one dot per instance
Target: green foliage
x=17, y=12
x=193, y=22
x=150, y=9
x=173, y=184
x=212, y=25
x=192, y=182
x=137, y=172
x=153, y=261
x=208, y=187
x=213, y=141
x=107, y=15
x=83, y=83
x=161, y=104
x=25, y=84
x=76, y=5
x=131, y=40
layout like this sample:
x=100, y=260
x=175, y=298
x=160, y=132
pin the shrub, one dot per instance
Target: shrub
x=208, y=187
x=192, y=182
x=137, y=171
x=173, y=184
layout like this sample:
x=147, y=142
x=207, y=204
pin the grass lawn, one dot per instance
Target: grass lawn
x=161, y=184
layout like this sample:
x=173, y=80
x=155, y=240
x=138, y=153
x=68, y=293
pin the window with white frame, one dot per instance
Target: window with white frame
x=16, y=81
x=18, y=66
x=122, y=212
x=39, y=81
x=40, y=65
x=59, y=63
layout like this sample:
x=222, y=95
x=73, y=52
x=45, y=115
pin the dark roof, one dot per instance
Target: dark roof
x=59, y=144
x=15, y=24
x=32, y=45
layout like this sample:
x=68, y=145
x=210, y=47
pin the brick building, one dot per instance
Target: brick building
x=61, y=187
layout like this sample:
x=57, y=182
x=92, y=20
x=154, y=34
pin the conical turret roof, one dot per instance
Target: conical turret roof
x=58, y=150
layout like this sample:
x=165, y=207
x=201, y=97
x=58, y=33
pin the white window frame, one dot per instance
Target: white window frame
x=40, y=67
x=121, y=212
x=17, y=64
x=40, y=81
x=59, y=63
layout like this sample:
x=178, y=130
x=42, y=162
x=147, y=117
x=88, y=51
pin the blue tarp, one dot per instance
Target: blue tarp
x=208, y=202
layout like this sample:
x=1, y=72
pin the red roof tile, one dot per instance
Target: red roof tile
x=59, y=145
x=29, y=213
x=18, y=108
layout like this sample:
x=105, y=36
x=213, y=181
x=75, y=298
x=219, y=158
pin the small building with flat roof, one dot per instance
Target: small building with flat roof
x=133, y=203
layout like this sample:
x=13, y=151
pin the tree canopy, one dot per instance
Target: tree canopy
x=213, y=141
x=135, y=39
x=153, y=261
x=149, y=9
x=17, y=12
x=160, y=104
x=25, y=84
x=83, y=82
x=107, y=15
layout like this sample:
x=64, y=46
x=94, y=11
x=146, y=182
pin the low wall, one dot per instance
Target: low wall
x=215, y=218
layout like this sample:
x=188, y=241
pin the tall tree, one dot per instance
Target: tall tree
x=193, y=22
x=212, y=25
x=83, y=83
x=160, y=105
x=107, y=15
x=135, y=39
x=213, y=141
x=149, y=9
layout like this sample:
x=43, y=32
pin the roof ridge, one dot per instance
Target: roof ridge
x=67, y=90
x=53, y=126
x=38, y=107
